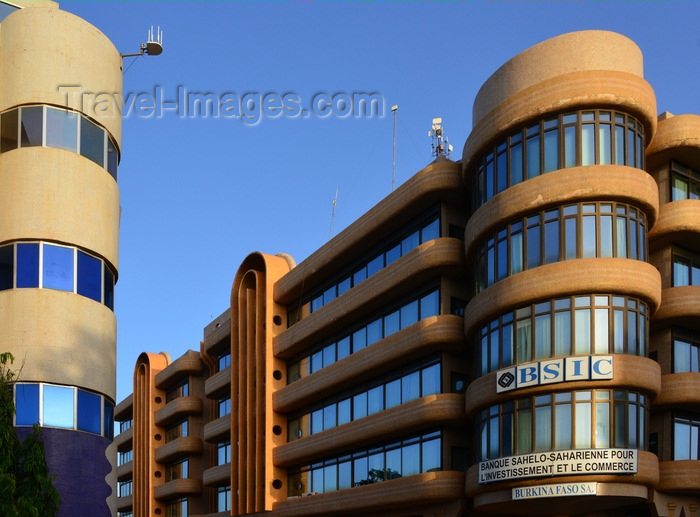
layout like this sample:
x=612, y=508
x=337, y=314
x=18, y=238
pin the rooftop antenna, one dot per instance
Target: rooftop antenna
x=441, y=148
x=394, y=109
x=335, y=202
x=153, y=46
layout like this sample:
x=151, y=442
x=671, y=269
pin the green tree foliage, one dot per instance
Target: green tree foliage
x=26, y=486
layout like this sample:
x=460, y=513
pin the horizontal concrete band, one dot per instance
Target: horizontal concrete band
x=562, y=187
x=568, y=278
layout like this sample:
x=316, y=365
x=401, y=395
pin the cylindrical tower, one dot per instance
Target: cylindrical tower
x=60, y=128
x=561, y=206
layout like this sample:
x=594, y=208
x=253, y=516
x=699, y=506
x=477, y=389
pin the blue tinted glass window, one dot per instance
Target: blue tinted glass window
x=393, y=393
x=359, y=406
x=28, y=264
x=393, y=254
x=343, y=348
x=359, y=340
x=27, y=404
x=374, y=331
x=58, y=268
x=329, y=416
x=431, y=455
x=430, y=305
x=328, y=355
x=375, y=400
x=317, y=361
x=410, y=242
x=344, y=286
x=31, y=127
x=516, y=161
x=62, y=129
x=58, y=407
x=317, y=421
x=109, y=420
x=431, y=231
x=7, y=264
x=430, y=379
x=409, y=314
x=89, y=276
x=89, y=412
x=375, y=265
x=359, y=276
x=344, y=412
x=92, y=142
x=533, y=156
x=329, y=295
x=410, y=387
x=391, y=323
x=108, y=288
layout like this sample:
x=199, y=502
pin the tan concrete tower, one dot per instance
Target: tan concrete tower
x=560, y=321
x=59, y=240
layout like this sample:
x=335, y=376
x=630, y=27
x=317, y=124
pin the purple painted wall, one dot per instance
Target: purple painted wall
x=79, y=462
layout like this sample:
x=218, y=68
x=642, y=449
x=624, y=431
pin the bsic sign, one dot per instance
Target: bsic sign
x=566, y=369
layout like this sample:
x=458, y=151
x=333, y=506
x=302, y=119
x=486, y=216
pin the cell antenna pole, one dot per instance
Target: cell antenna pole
x=335, y=202
x=394, y=109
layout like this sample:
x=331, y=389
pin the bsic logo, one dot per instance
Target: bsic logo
x=577, y=368
x=505, y=380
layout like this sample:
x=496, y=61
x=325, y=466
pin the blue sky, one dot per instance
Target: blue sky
x=199, y=194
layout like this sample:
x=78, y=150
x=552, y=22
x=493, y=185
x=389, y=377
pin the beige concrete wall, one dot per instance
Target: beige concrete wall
x=43, y=48
x=59, y=196
x=60, y=337
x=568, y=72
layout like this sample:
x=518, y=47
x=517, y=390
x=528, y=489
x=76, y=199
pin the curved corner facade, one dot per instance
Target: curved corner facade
x=674, y=161
x=567, y=378
x=59, y=154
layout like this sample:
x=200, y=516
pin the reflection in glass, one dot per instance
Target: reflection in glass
x=28, y=264
x=27, y=404
x=89, y=276
x=89, y=412
x=58, y=268
x=31, y=126
x=58, y=406
x=92, y=142
x=61, y=129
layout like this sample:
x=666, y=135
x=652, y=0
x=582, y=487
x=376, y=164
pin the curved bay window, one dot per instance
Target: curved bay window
x=589, y=137
x=583, y=230
x=590, y=419
x=47, y=126
x=63, y=407
x=51, y=266
x=578, y=325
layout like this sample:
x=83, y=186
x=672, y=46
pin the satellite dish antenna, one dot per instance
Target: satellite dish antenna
x=153, y=46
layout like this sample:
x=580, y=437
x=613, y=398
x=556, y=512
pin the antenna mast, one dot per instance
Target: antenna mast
x=440, y=146
x=335, y=201
x=394, y=109
x=153, y=45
